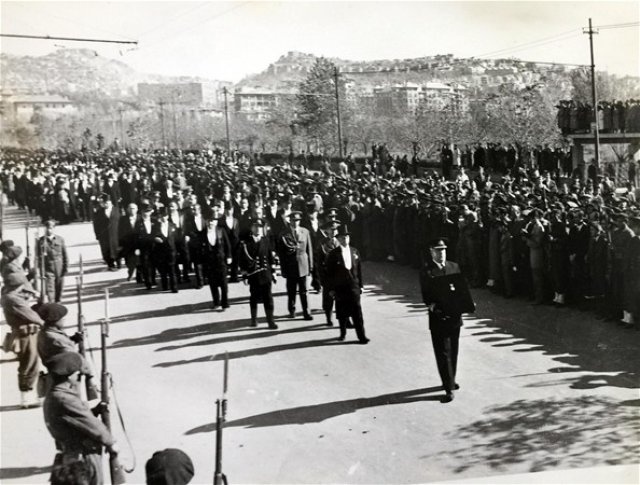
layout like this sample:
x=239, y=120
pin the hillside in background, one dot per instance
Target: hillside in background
x=76, y=71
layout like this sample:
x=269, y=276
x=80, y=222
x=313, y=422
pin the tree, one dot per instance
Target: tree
x=609, y=87
x=316, y=103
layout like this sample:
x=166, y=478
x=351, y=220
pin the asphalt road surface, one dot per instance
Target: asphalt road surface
x=543, y=389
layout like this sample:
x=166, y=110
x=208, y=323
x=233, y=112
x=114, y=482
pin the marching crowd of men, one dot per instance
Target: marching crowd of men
x=189, y=217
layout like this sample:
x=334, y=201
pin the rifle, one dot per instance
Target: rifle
x=41, y=270
x=115, y=468
x=26, y=265
x=220, y=478
x=92, y=392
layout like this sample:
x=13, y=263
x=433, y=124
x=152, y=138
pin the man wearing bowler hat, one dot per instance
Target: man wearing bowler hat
x=344, y=278
x=296, y=263
x=443, y=324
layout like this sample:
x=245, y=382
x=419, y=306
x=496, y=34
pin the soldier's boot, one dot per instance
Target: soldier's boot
x=254, y=315
x=270, y=321
x=305, y=308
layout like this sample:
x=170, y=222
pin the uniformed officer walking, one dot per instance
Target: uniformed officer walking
x=257, y=260
x=326, y=245
x=52, y=248
x=444, y=325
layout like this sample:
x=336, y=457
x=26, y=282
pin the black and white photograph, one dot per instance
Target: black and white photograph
x=319, y=242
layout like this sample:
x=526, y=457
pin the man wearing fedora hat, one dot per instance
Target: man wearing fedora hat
x=444, y=326
x=344, y=278
x=296, y=263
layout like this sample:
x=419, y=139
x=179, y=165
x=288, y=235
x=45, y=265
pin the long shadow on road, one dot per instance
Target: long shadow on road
x=576, y=339
x=544, y=434
x=317, y=413
x=240, y=354
x=8, y=473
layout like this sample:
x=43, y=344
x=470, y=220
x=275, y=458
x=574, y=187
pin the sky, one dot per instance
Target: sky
x=229, y=40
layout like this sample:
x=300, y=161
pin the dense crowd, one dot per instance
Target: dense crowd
x=528, y=233
x=613, y=116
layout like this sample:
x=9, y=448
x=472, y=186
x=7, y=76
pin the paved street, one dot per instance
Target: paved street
x=542, y=389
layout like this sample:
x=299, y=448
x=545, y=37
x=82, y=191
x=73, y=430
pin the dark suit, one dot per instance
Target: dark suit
x=127, y=238
x=233, y=234
x=165, y=254
x=182, y=248
x=347, y=287
x=215, y=264
x=144, y=242
x=445, y=329
x=194, y=246
x=296, y=263
x=106, y=231
x=316, y=237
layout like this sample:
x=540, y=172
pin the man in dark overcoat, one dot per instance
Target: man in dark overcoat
x=216, y=256
x=105, y=227
x=344, y=275
x=164, y=250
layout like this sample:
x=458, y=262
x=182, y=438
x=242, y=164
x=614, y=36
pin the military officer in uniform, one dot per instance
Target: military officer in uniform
x=52, y=248
x=79, y=434
x=326, y=245
x=257, y=261
x=444, y=327
x=344, y=277
x=296, y=263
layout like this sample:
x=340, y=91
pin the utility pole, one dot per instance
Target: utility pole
x=121, y=111
x=226, y=120
x=594, y=96
x=164, y=142
x=335, y=78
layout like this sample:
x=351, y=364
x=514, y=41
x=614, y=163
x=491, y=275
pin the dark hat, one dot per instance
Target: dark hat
x=146, y=208
x=162, y=212
x=14, y=280
x=343, y=230
x=65, y=363
x=257, y=222
x=331, y=224
x=331, y=212
x=12, y=252
x=438, y=243
x=169, y=467
x=6, y=244
x=295, y=216
x=52, y=312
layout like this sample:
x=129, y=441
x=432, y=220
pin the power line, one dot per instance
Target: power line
x=553, y=37
x=617, y=26
x=72, y=39
x=174, y=18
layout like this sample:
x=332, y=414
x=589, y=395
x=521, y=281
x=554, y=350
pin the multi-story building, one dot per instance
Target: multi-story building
x=23, y=107
x=255, y=103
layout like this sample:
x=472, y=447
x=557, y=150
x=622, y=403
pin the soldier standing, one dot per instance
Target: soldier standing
x=296, y=263
x=345, y=283
x=25, y=324
x=52, y=248
x=77, y=431
x=257, y=260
